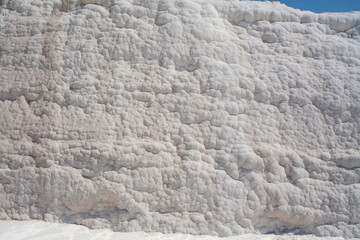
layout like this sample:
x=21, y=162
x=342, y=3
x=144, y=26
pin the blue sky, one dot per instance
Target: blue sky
x=319, y=6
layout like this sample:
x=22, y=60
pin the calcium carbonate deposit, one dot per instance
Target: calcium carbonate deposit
x=39, y=230
x=180, y=116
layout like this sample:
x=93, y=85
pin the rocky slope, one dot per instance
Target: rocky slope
x=202, y=117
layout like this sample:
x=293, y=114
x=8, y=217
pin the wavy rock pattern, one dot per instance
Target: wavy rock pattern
x=201, y=117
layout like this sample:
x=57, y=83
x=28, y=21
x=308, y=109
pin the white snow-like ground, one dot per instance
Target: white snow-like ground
x=180, y=116
x=38, y=230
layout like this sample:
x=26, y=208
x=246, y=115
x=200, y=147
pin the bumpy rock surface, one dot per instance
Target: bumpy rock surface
x=202, y=117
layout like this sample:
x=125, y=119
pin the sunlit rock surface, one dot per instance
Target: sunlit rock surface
x=39, y=230
x=200, y=117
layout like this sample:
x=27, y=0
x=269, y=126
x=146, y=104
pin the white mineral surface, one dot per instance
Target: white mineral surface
x=38, y=230
x=180, y=116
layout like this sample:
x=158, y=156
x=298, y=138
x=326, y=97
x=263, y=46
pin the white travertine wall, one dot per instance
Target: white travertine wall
x=202, y=117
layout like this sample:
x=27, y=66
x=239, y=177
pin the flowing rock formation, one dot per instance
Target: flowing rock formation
x=202, y=117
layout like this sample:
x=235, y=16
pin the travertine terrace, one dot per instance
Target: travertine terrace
x=202, y=117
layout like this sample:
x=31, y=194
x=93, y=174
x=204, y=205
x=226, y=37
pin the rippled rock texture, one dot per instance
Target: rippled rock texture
x=202, y=117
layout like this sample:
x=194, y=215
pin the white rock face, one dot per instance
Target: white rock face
x=202, y=117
